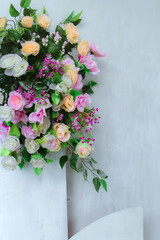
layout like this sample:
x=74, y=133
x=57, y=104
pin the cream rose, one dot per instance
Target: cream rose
x=31, y=145
x=42, y=128
x=9, y=163
x=3, y=23
x=72, y=72
x=38, y=163
x=44, y=21
x=83, y=48
x=51, y=143
x=6, y=113
x=27, y=21
x=62, y=132
x=11, y=143
x=30, y=48
x=83, y=149
x=9, y=61
x=20, y=68
x=72, y=32
x=68, y=103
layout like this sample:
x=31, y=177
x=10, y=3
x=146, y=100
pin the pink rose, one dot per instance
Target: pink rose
x=89, y=63
x=20, y=116
x=67, y=61
x=4, y=131
x=28, y=132
x=38, y=115
x=82, y=101
x=78, y=85
x=16, y=101
x=29, y=99
x=96, y=50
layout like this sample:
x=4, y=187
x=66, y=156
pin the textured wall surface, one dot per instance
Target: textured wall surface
x=127, y=141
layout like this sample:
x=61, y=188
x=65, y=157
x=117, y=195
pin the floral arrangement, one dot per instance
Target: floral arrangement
x=44, y=99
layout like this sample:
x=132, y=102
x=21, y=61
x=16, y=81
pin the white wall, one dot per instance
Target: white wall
x=128, y=138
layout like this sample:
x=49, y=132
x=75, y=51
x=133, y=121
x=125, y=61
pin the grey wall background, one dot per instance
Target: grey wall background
x=128, y=138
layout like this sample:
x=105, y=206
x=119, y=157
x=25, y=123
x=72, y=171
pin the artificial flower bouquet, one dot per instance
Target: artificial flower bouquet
x=44, y=99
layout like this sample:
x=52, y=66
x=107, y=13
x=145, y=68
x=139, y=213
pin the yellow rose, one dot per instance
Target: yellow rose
x=30, y=47
x=44, y=21
x=68, y=103
x=3, y=23
x=83, y=48
x=62, y=132
x=72, y=72
x=72, y=32
x=27, y=21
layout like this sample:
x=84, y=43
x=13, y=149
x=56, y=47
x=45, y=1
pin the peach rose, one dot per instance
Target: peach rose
x=3, y=23
x=30, y=47
x=51, y=143
x=62, y=132
x=68, y=103
x=72, y=32
x=44, y=21
x=83, y=48
x=83, y=149
x=27, y=21
x=72, y=72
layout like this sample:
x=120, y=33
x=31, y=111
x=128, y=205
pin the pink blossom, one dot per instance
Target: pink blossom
x=28, y=132
x=89, y=63
x=4, y=131
x=29, y=99
x=38, y=115
x=82, y=101
x=19, y=116
x=16, y=101
x=96, y=50
x=78, y=85
x=68, y=60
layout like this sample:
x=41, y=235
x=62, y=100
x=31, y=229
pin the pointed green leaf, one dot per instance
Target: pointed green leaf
x=101, y=174
x=63, y=160
x=97, y=183
x=55, y=98
x=104, y=184
x=36, y=156
x=21, y=165
x=85, y=174
x=80, y=167
x=38, y=171
x=75, y=18
x=44, y=10
x=13, y=12
x=64, y=144
x=25, y=3
x=14, y=131
x=48, y=160
x=5, y=152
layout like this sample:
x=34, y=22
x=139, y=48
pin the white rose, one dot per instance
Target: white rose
x=6, y=113
x=38, y=163
x=46, y=103
x=67, y=80
x=61, y=87
x=9, y=163
x=11, y=143
x=45, y=126
x=8, y=61
x=55, y=107
x=1, y=98
x=31, y=145
x=20, y=68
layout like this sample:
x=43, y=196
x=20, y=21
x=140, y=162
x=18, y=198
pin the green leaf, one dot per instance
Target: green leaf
x=48, y=160
x=80, y=167
x=25, y=155
x=64, y=144
x=87, y=89
x=7, y=123
x=55, y=98
x=101, y=174
x=92, y=83
x=14, y=131
x=74, y=93
x=25, y=3
x=85, y=174
x=44, y=10
x=69, y=17
x=97, y=183
x=38, y=171
x=104, y=184
x=55, y=114
x=53, y=132
x=93, y=160
x=5, y=152
x=36, y=156
x=63, y=160
x=57, y=78
x=61, y=31
x=29, y=11
x=13, y=12
x=75, y=18
x=21, y=165
x=34, y=126
x=73, y=161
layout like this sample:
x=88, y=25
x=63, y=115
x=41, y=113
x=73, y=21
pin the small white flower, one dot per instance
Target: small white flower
x=31, y=145
x=38, y=163
x=20, y=68
x=11, y=143
x=6, y=113
x=46, y=103
x=45, y=126
x=1, y=98
x=9, y=163
x=8, y=61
